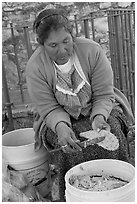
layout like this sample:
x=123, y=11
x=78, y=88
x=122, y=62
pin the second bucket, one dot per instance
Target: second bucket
x=18, y=151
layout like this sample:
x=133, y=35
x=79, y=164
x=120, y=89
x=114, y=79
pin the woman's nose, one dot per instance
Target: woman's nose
x=61, y=48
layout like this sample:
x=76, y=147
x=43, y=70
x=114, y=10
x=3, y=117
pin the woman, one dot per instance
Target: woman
x=70, y=82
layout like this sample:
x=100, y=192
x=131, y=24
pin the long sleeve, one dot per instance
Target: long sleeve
x=102, y=85
x=42, y=95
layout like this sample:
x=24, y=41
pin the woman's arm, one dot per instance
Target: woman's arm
x=102, y=85
x=42, y=97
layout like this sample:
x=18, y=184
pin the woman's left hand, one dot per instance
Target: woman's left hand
x=99, y=123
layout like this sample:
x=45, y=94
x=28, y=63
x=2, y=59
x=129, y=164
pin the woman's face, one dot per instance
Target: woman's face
x=59, y=46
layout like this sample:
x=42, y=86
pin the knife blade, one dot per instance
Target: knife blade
x=93, y=141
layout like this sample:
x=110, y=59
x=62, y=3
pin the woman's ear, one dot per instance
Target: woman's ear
x=40, y=41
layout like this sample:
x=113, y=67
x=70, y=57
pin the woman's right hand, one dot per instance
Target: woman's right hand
x=66, y=138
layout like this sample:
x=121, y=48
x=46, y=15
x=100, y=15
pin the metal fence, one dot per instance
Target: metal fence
x=122, y=49
x=121, y=40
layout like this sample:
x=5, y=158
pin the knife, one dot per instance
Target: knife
x=89, y=141
x=83, y=144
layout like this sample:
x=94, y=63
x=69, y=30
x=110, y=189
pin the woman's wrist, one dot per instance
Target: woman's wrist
x=100, y=116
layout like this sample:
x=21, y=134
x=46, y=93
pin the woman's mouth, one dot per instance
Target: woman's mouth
x=63, y=60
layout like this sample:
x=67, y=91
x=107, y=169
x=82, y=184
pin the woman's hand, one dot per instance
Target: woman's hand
x=67, y=138
x=99, y=123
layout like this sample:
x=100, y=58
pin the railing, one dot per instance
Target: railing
x=121, y=41
x=122, y=48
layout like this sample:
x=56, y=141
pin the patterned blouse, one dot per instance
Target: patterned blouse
x=73, y=91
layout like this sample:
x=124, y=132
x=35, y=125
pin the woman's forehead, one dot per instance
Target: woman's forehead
x=58, y=35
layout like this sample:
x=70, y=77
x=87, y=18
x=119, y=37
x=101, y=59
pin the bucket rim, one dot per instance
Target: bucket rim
x=100, y=160
x=19, y=146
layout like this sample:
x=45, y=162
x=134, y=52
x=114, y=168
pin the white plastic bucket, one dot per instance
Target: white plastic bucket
x=114, y=167
x=18, y=151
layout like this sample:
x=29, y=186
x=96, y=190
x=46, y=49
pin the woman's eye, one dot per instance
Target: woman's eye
x=53, y=45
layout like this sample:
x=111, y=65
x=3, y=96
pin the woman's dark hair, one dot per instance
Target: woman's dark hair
x=48, y=20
